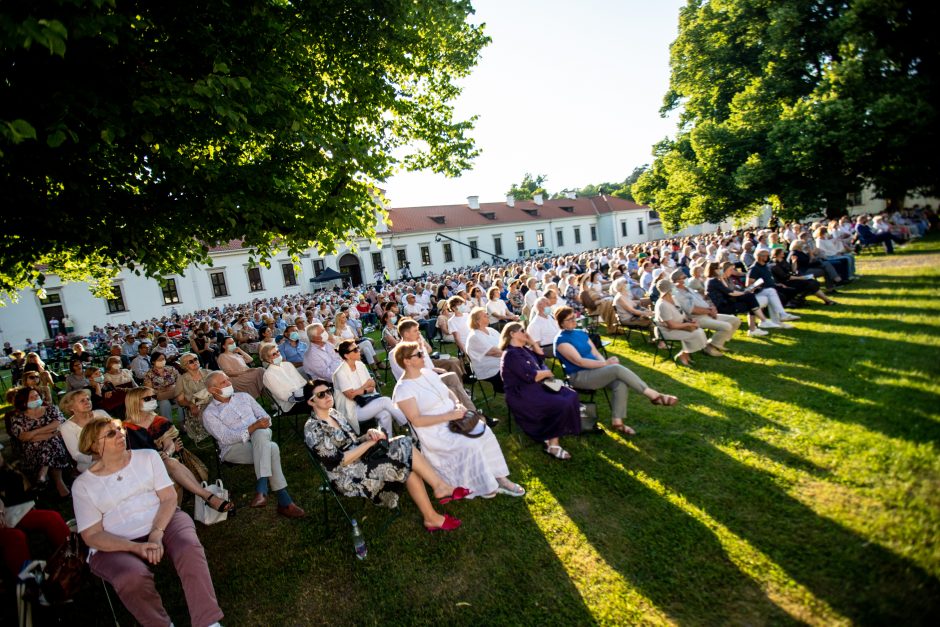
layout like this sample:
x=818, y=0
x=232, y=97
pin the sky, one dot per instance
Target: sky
x=567, y=88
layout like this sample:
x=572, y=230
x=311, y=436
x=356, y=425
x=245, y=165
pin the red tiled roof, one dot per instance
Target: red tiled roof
x=418, y=219
x=235, y=244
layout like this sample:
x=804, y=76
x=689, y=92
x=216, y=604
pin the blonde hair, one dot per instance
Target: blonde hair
x=90, y=434
x=506, y=335
x=65, y=404
x=405, y=350
x=475, y=315
x=132, y=403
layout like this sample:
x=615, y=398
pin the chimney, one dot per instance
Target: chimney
x=571, y=195
x=537, y=199
x=510, y=200
x=473, y=202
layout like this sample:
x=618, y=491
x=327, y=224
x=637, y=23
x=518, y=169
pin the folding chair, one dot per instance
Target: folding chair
x=658, y=338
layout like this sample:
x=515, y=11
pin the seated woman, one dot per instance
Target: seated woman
x=191, y=391
x=515, y=298
x=79, y=353
x=390, y=335
x=496, y=308
x=125, y=509
x=266, y=337
x=483, y=349
x=33, y=380
x=477, y=299
x=246, y=337
x=673, y=325
x=36, y=427
x=595, y=304
x=353, y=471
x=344, y=331
x=77, y=405
x=283, y=380
x=37, y=365
x=541, y=413
x=162, y=380
x=76, y=379
x=444, y=314
x=352, y=380
x=144, y=429
x=236, y=364
x=14, y=542
x=629, y=312
x=729, y=299
x=784, y=275
x=116, y=375
x=475, y=463
x=804, y=265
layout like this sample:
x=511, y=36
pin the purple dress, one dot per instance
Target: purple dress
x=539, y=412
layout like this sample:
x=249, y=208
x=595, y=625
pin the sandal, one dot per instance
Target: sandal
x=224, y=506
x=559, y=453
x=458, y=494
x=664, y=399
x=518, y=491
x=619, y=427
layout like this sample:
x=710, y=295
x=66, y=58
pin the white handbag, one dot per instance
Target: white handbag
x=203, y=512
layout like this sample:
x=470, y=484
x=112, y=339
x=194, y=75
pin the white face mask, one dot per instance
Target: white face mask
x=227, y=391
x=230, y=348
x=149, y=405
x=277, y=360
x=34, y=404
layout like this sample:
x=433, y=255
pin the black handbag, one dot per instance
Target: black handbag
x=364, y=399
x=468, y=424
x=378, y=450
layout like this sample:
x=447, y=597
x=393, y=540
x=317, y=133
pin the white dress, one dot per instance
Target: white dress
x=473, y=463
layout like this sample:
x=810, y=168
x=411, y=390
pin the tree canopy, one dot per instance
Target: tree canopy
x=139, y=134
x=796, y=103
x=620, y=189
x=529, y=187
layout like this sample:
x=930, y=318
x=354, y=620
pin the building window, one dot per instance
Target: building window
x=290, y=277
x=577, y=235
x=474, y=251
x=425, y=255
x=254, y=280
x=52, y=298
x=116, y=303
x=219, y=288
x=593, y=233
x=623, y=228
x=448, y=254
x=560, y=237
x=540, y=239
x=855, y=199
x=377, y=265
x=498, y=245
x=318, y=267
x=520, y=242
x=402, y=255
x=639, y=225
x=170, y=295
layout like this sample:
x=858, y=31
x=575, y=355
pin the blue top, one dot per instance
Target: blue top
x=581, y=342
x=294, y=355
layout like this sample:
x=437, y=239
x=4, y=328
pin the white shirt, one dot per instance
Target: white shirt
x=126, y=501
x=346, y=379
x=459, y=327
x=397, y=370
x=543, y=330
x=416, y=311
x=70, y=433
x=283, y=380
x=478, y=343
x=497, y=308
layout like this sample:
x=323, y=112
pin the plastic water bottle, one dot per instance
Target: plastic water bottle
x=359, y=542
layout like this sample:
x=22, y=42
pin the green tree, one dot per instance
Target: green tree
x=797, y=103
x=529, y=187
x=139, y=134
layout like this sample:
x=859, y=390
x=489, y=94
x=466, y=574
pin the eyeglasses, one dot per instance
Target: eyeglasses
x=568, y=319
x=323, y=393
x=152, y=397
x=418, y=354
x=113, y=432
x=189, y=362
x=32, y=378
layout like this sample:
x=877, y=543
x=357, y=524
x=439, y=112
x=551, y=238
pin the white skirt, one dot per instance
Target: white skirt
x=472, y=463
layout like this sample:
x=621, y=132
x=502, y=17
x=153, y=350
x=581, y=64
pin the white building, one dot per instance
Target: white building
x=410, y=239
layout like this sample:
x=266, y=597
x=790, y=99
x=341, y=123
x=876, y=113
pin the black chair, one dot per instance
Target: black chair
x=668, y=346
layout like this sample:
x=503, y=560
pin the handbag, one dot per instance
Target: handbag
x=552, y=385
x=205, y=514
x=469, y=425
x=195, y=465
x=364, y=399
x=65, y=572
x=378, y=450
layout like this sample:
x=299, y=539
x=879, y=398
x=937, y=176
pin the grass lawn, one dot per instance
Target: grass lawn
x=798, y=481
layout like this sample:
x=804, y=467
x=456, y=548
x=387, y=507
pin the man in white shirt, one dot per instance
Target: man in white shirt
x=542, y=327
x=243, y=430
x=703, y=312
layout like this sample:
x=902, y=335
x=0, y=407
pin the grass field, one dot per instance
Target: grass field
x=798, y=481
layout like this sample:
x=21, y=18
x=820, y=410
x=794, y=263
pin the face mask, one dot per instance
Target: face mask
x=277, y=360
x=464, y=308
x=230, y=348
x=115, y=367
x=149, y=406
x=294, y=336
x=393, y=319
x=227, y=391
x=34, y=404
x=159, y=364
x=99, y=379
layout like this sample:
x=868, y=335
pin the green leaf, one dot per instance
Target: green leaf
x=55, y=139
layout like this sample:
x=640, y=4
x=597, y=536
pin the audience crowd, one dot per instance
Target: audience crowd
x=128, y=391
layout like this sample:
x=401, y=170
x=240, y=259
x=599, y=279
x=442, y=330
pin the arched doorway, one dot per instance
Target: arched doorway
x=349, y=264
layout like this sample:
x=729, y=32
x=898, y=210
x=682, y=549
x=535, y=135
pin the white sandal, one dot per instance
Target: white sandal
x=559, y=453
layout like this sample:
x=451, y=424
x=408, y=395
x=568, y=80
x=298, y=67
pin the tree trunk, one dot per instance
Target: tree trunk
x=836, y=204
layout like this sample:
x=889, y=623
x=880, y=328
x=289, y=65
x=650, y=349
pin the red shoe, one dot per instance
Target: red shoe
x=291, y=511
x=457, y=495
x=450, y=523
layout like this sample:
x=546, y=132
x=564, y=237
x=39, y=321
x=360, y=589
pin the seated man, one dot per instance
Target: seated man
x=167, y=348
x=588, y=370
x=243, y=430
x=292, y=349
x=419, y=312
x=321, y=356
x=692, y=304
x=450, y=370
x=542, y=327
x=140, y=365
x=867, y=236
x=285, y=383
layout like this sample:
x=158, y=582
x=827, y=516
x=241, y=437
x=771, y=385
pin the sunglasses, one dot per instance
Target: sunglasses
x=189, y=362
x=152, y=397
x=418, y=354
x=32, y=378
x=113, y=432
x=352, y=350
x=323, y=393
